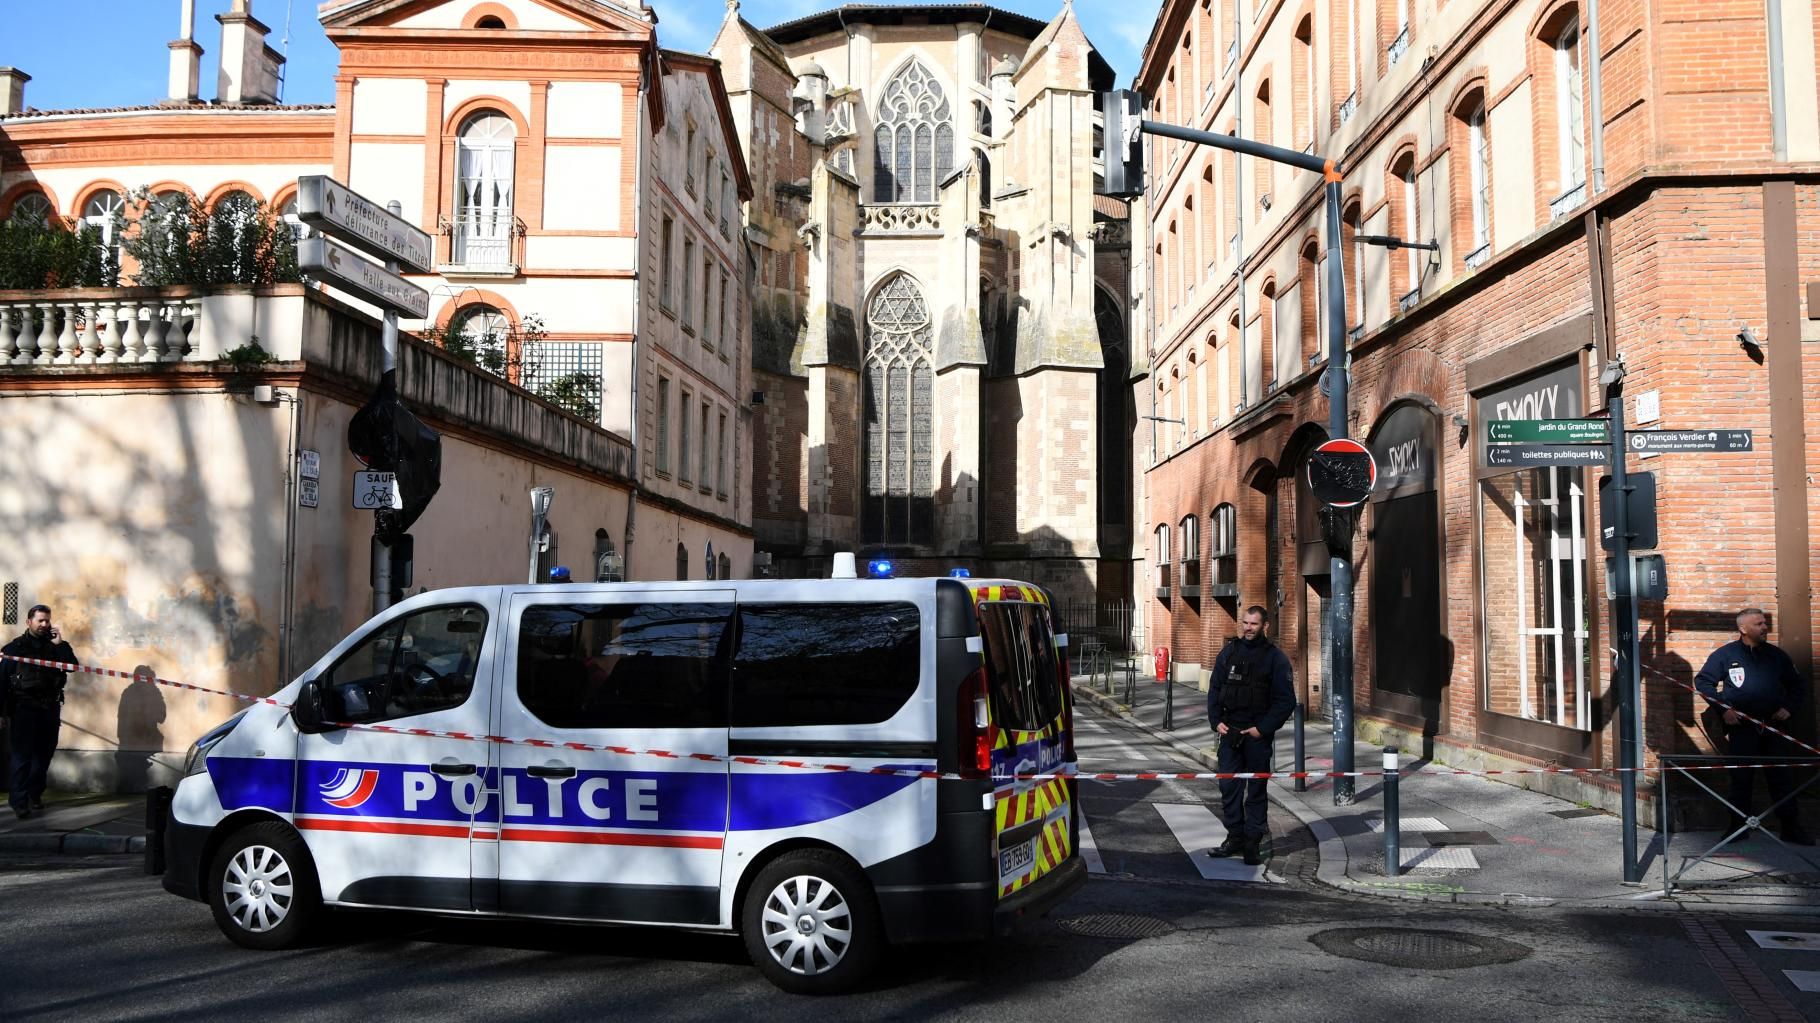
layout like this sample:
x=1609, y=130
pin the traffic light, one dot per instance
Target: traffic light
x=386, y=437
x=1122, y=111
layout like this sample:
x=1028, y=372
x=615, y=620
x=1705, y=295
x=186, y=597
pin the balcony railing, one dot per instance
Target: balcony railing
x=1567, y=202
x=1477, y=257
x=90, y=327
x=1398, y=46
x=901, y=218
x=1348, y=107
x=481, y=240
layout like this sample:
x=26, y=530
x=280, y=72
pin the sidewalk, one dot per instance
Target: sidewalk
x=76, y=824
x=1477, y=840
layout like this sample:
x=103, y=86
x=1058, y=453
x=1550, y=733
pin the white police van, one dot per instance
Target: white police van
x=651, y=816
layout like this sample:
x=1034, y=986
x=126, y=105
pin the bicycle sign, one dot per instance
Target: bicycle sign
x=375, y=490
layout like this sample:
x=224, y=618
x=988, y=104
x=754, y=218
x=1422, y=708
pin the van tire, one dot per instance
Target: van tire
x=262, y=887
x=810, y=923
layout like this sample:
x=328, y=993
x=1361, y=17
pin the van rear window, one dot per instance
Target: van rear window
x=824, y=664
x=1020, y=664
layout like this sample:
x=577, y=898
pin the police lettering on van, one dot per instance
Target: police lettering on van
x=647, y=775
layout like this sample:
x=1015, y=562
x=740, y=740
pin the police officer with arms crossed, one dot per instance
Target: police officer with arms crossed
x=1755, y=676
x=1252, y=693
x=31, y=697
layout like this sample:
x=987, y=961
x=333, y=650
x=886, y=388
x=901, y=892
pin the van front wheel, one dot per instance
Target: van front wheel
x=810, y=923
x=263, y=888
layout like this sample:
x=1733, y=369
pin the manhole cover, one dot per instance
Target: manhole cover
x=1117, y=925
x=1418, y=949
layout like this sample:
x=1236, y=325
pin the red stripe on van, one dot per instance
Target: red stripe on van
x=382, y=827
x=613, y=838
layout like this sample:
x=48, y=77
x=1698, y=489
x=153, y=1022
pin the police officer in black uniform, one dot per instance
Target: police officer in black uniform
x=31, y=698
x=1754, y=676
x=1251, y=694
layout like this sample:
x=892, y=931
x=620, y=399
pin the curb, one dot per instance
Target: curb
x=1334, y=863
x=71, y=844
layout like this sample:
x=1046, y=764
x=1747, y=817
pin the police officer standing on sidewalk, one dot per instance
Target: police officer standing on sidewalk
x=31, y=699
x=1251, y=694
x=1753, y=675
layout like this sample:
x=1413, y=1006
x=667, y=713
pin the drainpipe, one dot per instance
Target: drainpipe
x=1778, y=88
x=1596, y=94
x=1238, y=196
x=287, y=611
x=638, y=183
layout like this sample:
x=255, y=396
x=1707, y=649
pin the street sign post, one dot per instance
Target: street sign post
x=1536, y=456
x=1341, y=472
x=1548, y=431
x=375, y=490
x=334, y=208
x=1691, y=440
x=342, y=267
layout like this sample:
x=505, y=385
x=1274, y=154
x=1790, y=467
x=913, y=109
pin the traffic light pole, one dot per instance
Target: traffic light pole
x=1339, y=685
x=1624, y=621
x=383, y=593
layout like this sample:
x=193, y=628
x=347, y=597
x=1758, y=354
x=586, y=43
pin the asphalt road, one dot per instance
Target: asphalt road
x=96, y=939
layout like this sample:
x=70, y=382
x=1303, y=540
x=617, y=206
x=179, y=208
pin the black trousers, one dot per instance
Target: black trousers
x=1244, y=800
x=34, y=739
x=1744, y=740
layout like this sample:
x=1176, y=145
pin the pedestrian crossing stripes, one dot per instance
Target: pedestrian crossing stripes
x=1198, y=830
x=1804, y=980
x=1090, y=853
x=1797, y=941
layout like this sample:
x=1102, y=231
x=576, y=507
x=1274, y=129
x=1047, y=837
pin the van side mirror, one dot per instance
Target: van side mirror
x=307, y=710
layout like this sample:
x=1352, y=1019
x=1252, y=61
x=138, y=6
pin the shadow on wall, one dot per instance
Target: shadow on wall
x=138, y=728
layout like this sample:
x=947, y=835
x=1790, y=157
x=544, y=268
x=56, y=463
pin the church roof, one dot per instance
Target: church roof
x=834, y=18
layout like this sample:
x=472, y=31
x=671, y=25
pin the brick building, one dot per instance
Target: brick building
x=939, y=329
x=1657, y=226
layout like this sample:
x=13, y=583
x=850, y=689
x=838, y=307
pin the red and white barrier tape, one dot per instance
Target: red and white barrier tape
x=897, y=772
x=1759, y=722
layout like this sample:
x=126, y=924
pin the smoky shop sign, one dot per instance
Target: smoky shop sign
x=1553, y=394
x=1404, y=447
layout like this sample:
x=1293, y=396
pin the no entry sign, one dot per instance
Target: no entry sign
x=1341, y=472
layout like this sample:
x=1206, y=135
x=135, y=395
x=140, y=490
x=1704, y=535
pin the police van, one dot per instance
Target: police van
x=648, y=775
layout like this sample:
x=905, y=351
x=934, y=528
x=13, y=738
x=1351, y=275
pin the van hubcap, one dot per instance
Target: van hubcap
x=807, y=924
x=257, y=887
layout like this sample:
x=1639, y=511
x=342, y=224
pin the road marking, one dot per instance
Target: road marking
x=1197, y=830
x=1804, y=980
x=1797, y=941
x=1090, y=853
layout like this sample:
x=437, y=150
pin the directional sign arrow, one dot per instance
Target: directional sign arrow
x=1530, y=456
x=336, y=210
x=328, y=262
x=1692, y=440
x=1548, y=431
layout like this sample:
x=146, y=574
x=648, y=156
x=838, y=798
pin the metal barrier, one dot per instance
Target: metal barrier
x=1684, y=765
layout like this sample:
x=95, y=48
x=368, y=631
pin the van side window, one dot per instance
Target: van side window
x=624, y=665
x=1020, y=664
x=824, y=664
x=420, y=663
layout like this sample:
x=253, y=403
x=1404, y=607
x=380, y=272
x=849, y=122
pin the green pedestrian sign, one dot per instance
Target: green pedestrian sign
x=1548, y=431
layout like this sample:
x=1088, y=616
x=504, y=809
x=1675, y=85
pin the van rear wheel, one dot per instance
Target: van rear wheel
x=810, y=923
x=262, y=887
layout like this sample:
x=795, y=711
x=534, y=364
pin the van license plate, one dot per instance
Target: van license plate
x=1015, y=861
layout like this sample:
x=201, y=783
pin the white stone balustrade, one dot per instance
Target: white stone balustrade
x=103, y=327
x=901, y=218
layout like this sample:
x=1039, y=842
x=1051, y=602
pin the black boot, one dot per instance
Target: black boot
x=1794, y=834
x=1232, y=846
x=1254, y=855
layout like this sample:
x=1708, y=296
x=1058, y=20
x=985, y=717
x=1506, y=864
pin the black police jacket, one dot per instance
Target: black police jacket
x=1758, y=681
x=30, y=682
x=1263, y=668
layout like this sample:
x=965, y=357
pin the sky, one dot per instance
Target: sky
x=125, y=65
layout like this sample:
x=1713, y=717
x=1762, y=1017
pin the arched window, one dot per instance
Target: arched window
x=160, y=223
x=236, y=213
x=609, y=566
x=1113, y=401
x=1191, y=554
x=985, y=166
x=31, y=208
x=483, y=190
x=483, y=331
x=1569, y=97
x=899, y=407
x=288, y=214
x=104, y=212
x=726, y=567
x=1223, y=525
x=682, y=561
x=913, y=143
x=1161, y=561
x=490, y=21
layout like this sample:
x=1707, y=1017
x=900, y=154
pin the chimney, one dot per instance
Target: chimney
x=186, y=60
x=249, y=68
x=12, y=90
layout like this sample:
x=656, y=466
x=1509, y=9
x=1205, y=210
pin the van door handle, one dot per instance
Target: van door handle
x=551, y=771
x=452, y=770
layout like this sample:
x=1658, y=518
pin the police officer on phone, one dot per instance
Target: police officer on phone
x=1251, y=694
x=31, y=699
x=1754, y=676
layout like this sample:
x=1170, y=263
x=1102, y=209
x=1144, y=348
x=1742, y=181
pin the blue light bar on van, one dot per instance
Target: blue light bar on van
x=879, y=568
x=959, y=573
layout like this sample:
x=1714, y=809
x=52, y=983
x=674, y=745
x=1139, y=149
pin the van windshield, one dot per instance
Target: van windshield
x=1020, y=664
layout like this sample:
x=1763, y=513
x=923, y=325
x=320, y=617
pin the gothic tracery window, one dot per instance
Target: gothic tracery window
x=899, y=502
x=913, y=143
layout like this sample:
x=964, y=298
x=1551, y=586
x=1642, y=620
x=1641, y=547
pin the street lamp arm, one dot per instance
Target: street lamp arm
x=1165, y=419
x=1393, y=242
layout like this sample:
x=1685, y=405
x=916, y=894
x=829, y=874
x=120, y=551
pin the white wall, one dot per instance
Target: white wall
x=581, y=188
x=584, y=110
x=389, y=106
x=384, y=171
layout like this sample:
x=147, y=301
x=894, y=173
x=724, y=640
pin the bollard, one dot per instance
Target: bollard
x=1169, y=697
x=1393, y=862
x=1301, y=766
